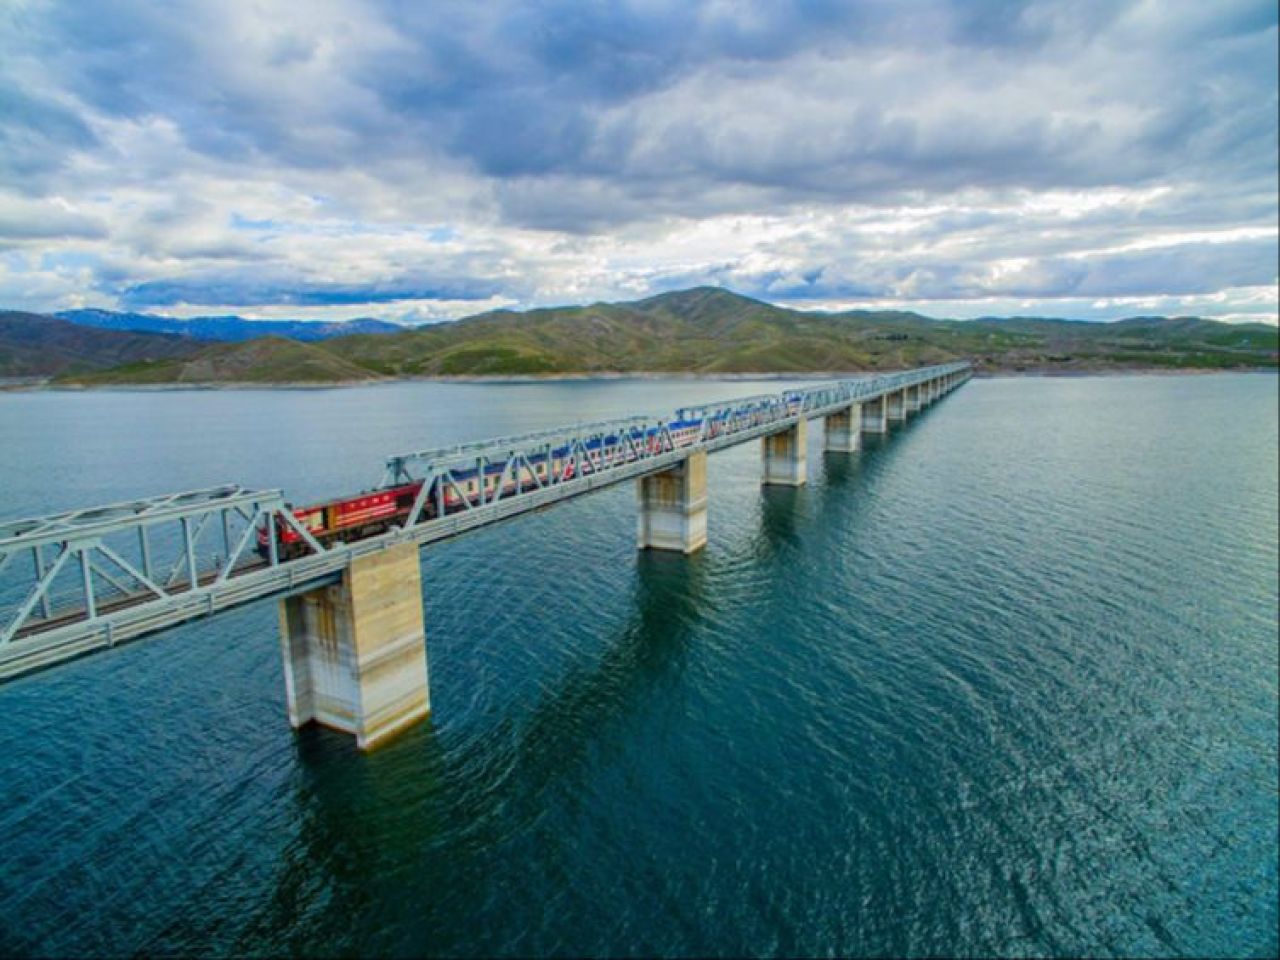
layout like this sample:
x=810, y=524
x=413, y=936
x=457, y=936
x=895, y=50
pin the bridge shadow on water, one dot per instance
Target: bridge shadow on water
x=384, y=841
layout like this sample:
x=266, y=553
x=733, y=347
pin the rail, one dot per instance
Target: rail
x=98, y=576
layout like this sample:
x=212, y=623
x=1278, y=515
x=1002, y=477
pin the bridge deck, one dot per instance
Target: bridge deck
x=121, y=597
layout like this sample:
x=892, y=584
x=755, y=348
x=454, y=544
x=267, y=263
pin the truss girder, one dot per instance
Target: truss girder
x=192, y=531
x=608, y=444
x=136, y=600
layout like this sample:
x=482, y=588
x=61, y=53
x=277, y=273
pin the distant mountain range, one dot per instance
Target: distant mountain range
x=704, y=330
x=227, y=328
x=35, y=345
x=713, y=331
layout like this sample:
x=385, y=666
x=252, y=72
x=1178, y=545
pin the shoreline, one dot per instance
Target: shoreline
x=31, y=385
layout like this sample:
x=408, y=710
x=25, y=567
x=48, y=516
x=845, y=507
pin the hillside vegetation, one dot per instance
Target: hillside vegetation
x=265, y=360
x=709, y=331
x=702, y=331
x=33, y=345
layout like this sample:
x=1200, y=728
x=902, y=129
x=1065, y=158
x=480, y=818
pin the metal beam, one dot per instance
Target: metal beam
x=601, y=454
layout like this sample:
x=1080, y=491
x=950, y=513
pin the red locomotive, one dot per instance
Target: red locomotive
x=352, y=518
x=376, y=511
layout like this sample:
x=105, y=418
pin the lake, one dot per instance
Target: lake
x=1004, y=682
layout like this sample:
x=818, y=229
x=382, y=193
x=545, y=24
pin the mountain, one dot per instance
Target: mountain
x=34, y=345
x=228, y=328
x=704, y=330
x=266, y=360
x=709, y=330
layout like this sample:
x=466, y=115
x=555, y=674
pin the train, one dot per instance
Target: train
x=376, y=511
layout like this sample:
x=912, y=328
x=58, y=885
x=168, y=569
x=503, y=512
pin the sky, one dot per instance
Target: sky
x=424, y=161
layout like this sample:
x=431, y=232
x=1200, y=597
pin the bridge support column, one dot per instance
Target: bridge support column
x=844, y=429
x=673, y=507
x=873, y=416
x=911, y=399
x=786, y=460
x=355, y=655
x=896, y=405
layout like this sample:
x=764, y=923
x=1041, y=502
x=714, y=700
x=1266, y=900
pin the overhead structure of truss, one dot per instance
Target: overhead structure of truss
x=594, y=454
x=86, y=579
x=92, y=577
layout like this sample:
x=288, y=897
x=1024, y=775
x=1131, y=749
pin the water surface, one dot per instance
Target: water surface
x=1004, y=683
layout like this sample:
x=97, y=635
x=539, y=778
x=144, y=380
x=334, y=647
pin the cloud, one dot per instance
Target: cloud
x=23, y=220
x=209, y=289
x=375, y=156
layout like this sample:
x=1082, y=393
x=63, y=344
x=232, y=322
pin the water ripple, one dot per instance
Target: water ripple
x=1003, y=683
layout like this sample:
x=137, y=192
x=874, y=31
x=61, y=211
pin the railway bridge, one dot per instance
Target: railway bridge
x=351, y=623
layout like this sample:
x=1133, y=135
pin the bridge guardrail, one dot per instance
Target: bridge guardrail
x=106, y=574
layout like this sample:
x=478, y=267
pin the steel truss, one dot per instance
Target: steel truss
x=597, y=449
x=99, y=576
x=96, y=576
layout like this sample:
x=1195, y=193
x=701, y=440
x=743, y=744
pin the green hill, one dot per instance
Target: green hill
x=266, y=360
x=709, y=330
x=34, y=345
x=704, y=330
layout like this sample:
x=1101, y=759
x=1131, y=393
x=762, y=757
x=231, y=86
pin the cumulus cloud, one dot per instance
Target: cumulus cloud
x=415, y=160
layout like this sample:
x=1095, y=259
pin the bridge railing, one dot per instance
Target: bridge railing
x=823, y=396
x=82, y=565
x=597, y=448
x=84, y=579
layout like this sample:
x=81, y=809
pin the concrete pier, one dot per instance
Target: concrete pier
x=673, y=507
x=355, y=655
x=844, y=429
x=911, y=399
x=873, y=416
x=896, y=405
x=785, y=455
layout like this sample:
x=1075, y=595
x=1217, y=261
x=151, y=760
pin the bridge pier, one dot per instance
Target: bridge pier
x=844, y=429
x=896, y=405
x=911, y=399
x=673, y=507
x=355, y=655
x=873, y=416
x=785, y=459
